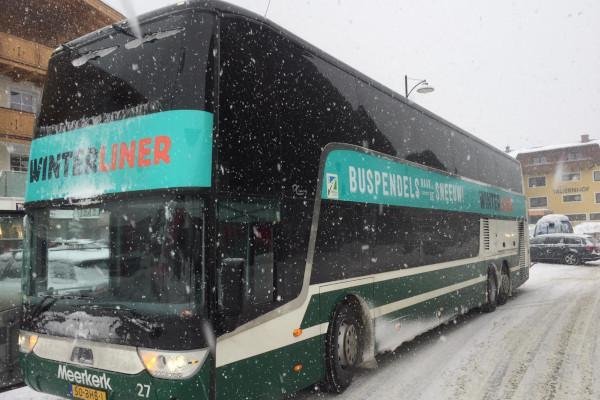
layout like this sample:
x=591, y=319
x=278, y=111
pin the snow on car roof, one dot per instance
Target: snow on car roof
x=577, y=235
x=553, y=218
x=76, y=256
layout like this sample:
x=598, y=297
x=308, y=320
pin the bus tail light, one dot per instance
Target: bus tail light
x=27, y=341
x=172, y=364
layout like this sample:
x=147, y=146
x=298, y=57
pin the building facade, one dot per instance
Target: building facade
x=29, y=32
x=563, y=179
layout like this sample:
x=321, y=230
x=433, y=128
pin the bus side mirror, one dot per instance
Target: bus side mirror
x=230, y=286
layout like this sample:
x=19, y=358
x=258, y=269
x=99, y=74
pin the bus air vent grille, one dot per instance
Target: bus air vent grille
x=486, y=233
x=521, y=244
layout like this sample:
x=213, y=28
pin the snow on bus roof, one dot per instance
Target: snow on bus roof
x=550, y=147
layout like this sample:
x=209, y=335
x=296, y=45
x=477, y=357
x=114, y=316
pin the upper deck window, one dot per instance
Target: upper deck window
x=120, y=76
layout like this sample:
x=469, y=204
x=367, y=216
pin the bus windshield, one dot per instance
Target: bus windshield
x=119, y=76
x=141, y=255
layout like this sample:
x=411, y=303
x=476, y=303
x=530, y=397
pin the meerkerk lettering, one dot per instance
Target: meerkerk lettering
x=84, y=378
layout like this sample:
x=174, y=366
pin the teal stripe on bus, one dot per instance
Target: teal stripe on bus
x=357, y=176
x=171, y=149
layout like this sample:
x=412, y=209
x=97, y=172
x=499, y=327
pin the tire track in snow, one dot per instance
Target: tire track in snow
x=524, y=346
x=511, y=348
x=571, y=371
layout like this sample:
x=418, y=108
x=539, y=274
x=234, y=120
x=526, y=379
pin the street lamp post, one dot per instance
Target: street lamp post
x=424, y=86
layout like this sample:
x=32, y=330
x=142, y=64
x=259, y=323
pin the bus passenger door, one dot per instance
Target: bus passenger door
x=246, y=290
x=246, y=269
x=260, y=272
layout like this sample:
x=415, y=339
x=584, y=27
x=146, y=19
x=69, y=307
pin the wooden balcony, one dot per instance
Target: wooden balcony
x=16, y=125
x=22, y=59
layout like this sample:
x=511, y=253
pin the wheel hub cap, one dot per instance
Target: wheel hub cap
x=347, y=345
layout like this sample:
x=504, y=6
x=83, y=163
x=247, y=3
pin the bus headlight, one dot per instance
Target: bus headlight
x=172, y=364
x=27, y=341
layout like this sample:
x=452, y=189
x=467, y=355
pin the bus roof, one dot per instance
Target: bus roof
x=224, y=7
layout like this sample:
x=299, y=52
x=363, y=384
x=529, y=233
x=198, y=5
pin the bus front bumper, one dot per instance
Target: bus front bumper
x=74, y=381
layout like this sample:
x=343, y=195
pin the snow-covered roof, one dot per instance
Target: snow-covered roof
x=537, y=149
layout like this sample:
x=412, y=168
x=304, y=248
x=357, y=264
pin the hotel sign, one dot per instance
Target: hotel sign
x=569, y=190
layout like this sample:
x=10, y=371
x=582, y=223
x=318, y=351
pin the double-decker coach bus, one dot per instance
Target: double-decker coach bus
x=219, y=171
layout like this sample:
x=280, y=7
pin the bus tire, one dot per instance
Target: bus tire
x=492, y=291
x=505, y=286
x=344, y=345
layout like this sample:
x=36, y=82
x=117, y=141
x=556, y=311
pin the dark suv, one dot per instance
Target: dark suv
x=568, y=248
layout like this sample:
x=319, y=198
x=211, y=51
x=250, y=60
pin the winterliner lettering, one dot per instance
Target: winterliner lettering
x=135, y=154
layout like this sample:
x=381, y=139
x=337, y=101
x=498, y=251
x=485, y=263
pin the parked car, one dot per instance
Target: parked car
x=10, y=315
x=553, y=223
x=590, y=228
x=567, y=248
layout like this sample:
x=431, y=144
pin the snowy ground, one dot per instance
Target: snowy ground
x=543, y=344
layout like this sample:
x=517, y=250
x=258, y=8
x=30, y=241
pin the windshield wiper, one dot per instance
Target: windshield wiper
x=152, y=37
x=93, y=55
x=48, y=301
x=131, y=316
x=43, y=305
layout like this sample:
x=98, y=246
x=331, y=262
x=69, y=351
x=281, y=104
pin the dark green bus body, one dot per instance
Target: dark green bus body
x=261, y=129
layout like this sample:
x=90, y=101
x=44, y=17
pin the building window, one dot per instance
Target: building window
x=19, y=162
x=537, y=181
x=568, y=198
x=22, y=101
x=595, y=216
x=538, y=202
x=538, y=160
x=597, y=175
x=577, y=217
x=574, y=155
x=597, y=197
x=571, y=176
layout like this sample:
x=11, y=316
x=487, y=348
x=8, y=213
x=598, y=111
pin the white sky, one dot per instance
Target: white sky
x=521, y=73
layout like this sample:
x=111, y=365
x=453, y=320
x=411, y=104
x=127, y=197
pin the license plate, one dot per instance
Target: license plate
x=85, y=393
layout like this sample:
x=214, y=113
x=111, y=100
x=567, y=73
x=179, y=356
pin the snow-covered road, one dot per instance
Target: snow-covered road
x=543, y=344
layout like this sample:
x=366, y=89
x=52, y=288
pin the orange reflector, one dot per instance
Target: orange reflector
x=297, y=368
x=297, y=332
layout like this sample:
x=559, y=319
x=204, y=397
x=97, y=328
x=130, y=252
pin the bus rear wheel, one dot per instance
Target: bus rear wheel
x=505, y=286
x=492, y=293
x=344, y=344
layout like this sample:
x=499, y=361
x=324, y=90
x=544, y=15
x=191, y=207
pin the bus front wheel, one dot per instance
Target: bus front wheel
x=344, y=347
